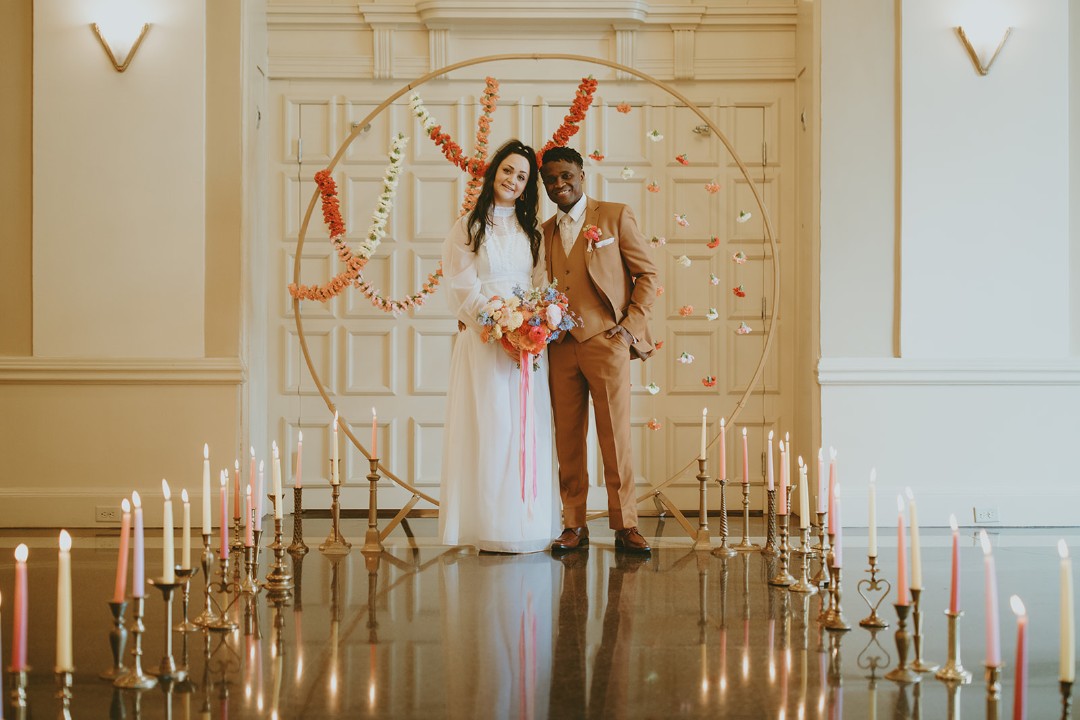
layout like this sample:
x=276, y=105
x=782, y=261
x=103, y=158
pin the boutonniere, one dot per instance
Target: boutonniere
x=592, y=234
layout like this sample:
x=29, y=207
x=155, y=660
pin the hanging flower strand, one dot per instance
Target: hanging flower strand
x=582, y=100
x=475, y=165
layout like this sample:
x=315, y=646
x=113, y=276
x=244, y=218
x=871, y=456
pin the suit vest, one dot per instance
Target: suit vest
x=573, y=279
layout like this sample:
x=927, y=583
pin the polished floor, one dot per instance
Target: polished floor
x=426, y=631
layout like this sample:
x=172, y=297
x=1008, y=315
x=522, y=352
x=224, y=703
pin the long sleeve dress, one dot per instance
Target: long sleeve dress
x=481, y=489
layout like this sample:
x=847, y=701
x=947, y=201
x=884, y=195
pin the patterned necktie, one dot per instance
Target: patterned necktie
x=566, y=225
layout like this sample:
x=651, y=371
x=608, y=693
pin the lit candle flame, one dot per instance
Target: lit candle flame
x=183, y=496
x=21, y=553
x=984, y=539
x=165, y=489
x=1017, y=605
x=65, y=541
x=1063, y=549
x=952, y=522
x=125, y=505
x=135, y=499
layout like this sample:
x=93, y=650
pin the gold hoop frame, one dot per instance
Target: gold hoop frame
x=358, y=128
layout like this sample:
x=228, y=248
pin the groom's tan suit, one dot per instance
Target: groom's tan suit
x=610, y=281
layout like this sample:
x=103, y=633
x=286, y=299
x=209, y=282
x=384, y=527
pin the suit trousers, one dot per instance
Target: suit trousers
x=599, y=366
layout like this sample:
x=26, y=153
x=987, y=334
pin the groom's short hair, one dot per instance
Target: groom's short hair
x=568, y=154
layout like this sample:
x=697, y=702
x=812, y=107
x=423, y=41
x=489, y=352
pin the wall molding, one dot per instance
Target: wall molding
x=136, y=371
x=908, y=371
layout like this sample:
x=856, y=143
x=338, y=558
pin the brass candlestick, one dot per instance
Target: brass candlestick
x=136, y=678
x=872, y=585
x=227, y=587
x=168, y=670
x=117, y=641
x=724, y=550
x=237, y=544
x=835, y=616
x=256, y=550
x=1066, y=698
x=298, y=547
x=993, y=691
x=248, y=586
x=63, y=681
x=278, y=581
x=919, y=665
x=902, y=673
x=801, y=584
x=782, y=578
x=185, y=575
x=18, y=680
x=770, y=525
x=372, y=541
x=826, y=595
x=335, y=543
x=745, y=545
x=954, y=671
x=209, y=615
x=702, y=541
x=821, y=577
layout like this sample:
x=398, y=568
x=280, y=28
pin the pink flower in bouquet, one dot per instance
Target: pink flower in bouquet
x=553, y=314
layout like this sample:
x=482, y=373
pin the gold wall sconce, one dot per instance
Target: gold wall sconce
x=975, y=60
x=120, y=67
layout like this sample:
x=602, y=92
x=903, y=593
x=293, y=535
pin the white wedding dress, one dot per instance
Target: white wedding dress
x=481, y=497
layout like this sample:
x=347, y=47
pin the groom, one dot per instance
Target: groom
x=602, y=262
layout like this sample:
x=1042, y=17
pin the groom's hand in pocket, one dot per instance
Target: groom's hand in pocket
x=623, y=333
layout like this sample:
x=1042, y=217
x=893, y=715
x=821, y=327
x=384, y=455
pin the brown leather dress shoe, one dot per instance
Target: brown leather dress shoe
x=571, y=539
x=630, y=540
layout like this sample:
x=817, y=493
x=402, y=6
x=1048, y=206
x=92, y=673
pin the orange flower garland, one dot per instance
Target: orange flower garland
x=582, y=100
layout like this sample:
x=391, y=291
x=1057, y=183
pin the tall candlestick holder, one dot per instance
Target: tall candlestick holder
x=826, y=595
x=1066, y=698
x=185, y=575
x=117, y=641
x=870, y=586
x=372, y=541
x=745, y=545
x=297, y=547
x=237, y=544
x=902, y=673
x=63, y=682
x=782, y=578
x=18, y=680
x=230, y=589
x=136, y=679
x=247, y=585
x=953, y=671
x=278, y=581
x=802, y=584
x=834, y=620
x=209, y=614
x=770, y=525
x=335, y=543
x=724, y=551
x=993, y=691
x=821, y=577
x=256, y=550
x=919, y=664
x=168, y=670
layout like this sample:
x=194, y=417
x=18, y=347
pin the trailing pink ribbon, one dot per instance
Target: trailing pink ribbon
x=527, y=440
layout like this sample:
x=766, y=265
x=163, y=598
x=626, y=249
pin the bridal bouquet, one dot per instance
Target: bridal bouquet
x=528, y=320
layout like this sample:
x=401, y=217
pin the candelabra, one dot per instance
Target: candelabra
x=1066, y=698
x=225, y=586
x=117, y=641
x=136, y=678
x=335, y=543
x=993, y=691
x=834, y=619
x=278, y=581
x=168, y=669
x=902, y=673
x=724, y=550
x=63, y=682
x=821, y=577
x=185, y=575
x=372, y=541
x=872, y=585
x=918, y=665
x=954, y=671
x=209, y=615
x=782, y=577
x=702, y=541
x=745, y=545
x=770, y=525
x=298, y=547
x=801, y=584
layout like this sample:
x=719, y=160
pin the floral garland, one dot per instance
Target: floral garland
x=355, y=262
x=582, y=100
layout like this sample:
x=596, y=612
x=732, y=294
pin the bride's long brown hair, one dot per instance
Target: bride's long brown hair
x=525, y=208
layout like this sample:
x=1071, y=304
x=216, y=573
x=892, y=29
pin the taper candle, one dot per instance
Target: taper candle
x=138, y=572
x=207, y=524
x=1068, y=631
x=260, y=491
x=993, y=638
x=334, y=479
x=704, y=416
x=838, y=538
x=1020, y=691
x=276, y=474
x=781, y=505
x=804, y=497
x=249, y=536
x=63, y=605
x=723, y=449
x=236, y=489
x=745, y=460
x=120, y=589
x=185, y=541
x=223, y=478
x=769, y=465
x=18, y=639
x=299, y=456
x=832, y=484
x=821, y=497
x=872, y=500
x=901, y=555
x=168, y=538
x=251, y=473
x=916, y=546
x=374, y=434
x=954, y=584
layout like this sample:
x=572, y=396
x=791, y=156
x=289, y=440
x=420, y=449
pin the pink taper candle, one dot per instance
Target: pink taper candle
x=251, y=473
x=993, y=637
x=249, y=537
x=185, y=532
x=374, y=434
x=838, y=538
x=138, y=573
x=18, y=640
x=224, y=549
x=769, y=465
x=954, y=585
x=120, y=590
x=832, y=484
x=723, y=449
x=260, y=492
x=901, y=555
x=1020, y=693
x=745, y=460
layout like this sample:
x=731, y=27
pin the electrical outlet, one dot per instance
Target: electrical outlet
x=107, y=513
x=986, y=514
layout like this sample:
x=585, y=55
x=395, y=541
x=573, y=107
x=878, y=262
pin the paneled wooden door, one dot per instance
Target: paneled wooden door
x=367, y=358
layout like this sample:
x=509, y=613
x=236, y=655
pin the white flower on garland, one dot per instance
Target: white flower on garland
x=683, y=260
x=417, y=105
x=713, y=280
x=681, y=221
x=653, y=388
x=657, y=241
x=377, y=229
x=744, y=216
x=743, y=329
x=686, y=358
x=654, y=135
x=739, y=258
x=627, y=173
x=712, y=314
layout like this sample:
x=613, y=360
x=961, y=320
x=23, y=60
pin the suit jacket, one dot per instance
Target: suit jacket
x=621, y=271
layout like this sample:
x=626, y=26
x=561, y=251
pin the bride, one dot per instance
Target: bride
x=490, y=251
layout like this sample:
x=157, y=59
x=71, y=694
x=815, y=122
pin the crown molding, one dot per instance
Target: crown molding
x=137, y=371
x=906, y=371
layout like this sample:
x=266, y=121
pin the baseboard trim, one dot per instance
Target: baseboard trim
x=905, y=371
